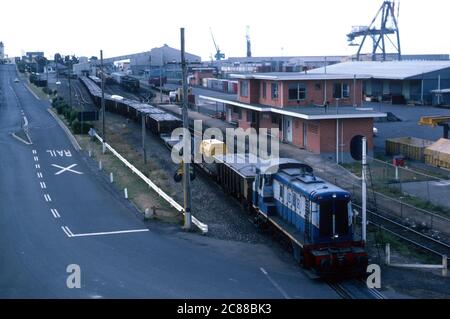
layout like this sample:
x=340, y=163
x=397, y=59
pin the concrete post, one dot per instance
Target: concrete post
x=444, y=266
x=100, y=165
x=125, y=192
x=388, y=254
x=111, y=177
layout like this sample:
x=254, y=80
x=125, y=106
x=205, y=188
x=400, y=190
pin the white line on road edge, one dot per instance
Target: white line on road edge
x=20, y=139
x=43, y=185
x=34, y=152
x=39, y=175
x=31, y=91
x=65, y=231
x=108, y=233
x=69, y=134
x=55, y=213
x=285, y=295
x=38, y=166
x=47, y=198
x=36, y=159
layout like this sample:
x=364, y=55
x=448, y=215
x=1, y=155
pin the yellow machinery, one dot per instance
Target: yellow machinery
x=434, y=121
x=212, y=147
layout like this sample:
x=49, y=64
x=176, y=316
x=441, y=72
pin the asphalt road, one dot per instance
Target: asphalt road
x=56, y=210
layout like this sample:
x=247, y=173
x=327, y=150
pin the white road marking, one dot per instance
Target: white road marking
x=285, y=295
x=39, y=175
x=55, y=213
x=65, y=231
x=110, y=233
x=43, y=185
x=60, y=153
x=37, y=166
x=34, y=152
x=36, y=159
x=47, y=198
x=66, y=169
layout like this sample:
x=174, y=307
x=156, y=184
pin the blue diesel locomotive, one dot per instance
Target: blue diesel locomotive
x=316, y=215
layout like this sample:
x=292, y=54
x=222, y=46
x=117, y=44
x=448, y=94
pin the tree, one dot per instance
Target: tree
x=93, y=58
x=58, y=58
x=75, y=60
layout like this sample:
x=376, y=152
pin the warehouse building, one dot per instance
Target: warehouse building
x=318, y=112
x=398, y=82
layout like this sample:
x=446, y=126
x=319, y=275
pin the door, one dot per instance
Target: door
x=305, y=135
x=229, y=118
x=287, y=126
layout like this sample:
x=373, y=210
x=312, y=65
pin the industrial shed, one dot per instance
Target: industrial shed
x=398, y=82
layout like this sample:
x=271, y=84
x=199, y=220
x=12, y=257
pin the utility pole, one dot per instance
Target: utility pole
x=364, y=189
x=46, y=69
x=160, y=76
x=69, y=73
x=103, y=101
x=143, y=137
x=186, y=164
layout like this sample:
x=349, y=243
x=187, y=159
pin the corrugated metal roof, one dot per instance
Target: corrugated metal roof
x=397, y=70
x=296, y=76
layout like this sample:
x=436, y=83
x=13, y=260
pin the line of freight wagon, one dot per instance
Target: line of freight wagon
x=156, y=120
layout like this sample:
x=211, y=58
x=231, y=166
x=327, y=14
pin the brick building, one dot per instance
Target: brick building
x=295, y=104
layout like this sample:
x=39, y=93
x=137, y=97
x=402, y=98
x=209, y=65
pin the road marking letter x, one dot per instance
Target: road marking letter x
x=66, y=169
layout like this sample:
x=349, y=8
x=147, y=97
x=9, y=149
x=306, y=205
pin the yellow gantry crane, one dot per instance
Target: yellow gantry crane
x=434, y=121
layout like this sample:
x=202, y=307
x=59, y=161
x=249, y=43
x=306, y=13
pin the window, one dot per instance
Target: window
x=275, y=119
x=240, y=113
x=345, y=90
x=274, y=88
x=244, y=88
x=337, y=91
x=341, y=91
x=264, y=90
x=297, y=91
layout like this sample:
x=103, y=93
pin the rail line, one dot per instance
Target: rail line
x=408, y=234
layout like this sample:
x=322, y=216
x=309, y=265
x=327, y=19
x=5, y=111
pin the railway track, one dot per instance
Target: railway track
x=354, y=289
x=408, y=234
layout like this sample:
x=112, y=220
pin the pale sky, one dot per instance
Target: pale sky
x=315, y=27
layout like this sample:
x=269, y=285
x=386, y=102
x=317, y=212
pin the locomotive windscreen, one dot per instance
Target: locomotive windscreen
x=340, y=210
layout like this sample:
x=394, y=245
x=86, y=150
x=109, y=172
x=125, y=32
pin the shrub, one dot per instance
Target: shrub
x=76, y=127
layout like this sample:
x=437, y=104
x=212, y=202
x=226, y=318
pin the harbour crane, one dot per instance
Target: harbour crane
x=379, y=33
x=219, y=55
x=249, y=45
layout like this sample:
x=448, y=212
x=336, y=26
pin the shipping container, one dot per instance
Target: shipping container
x=117, y=77
x=438, y=154
x=411, y=147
